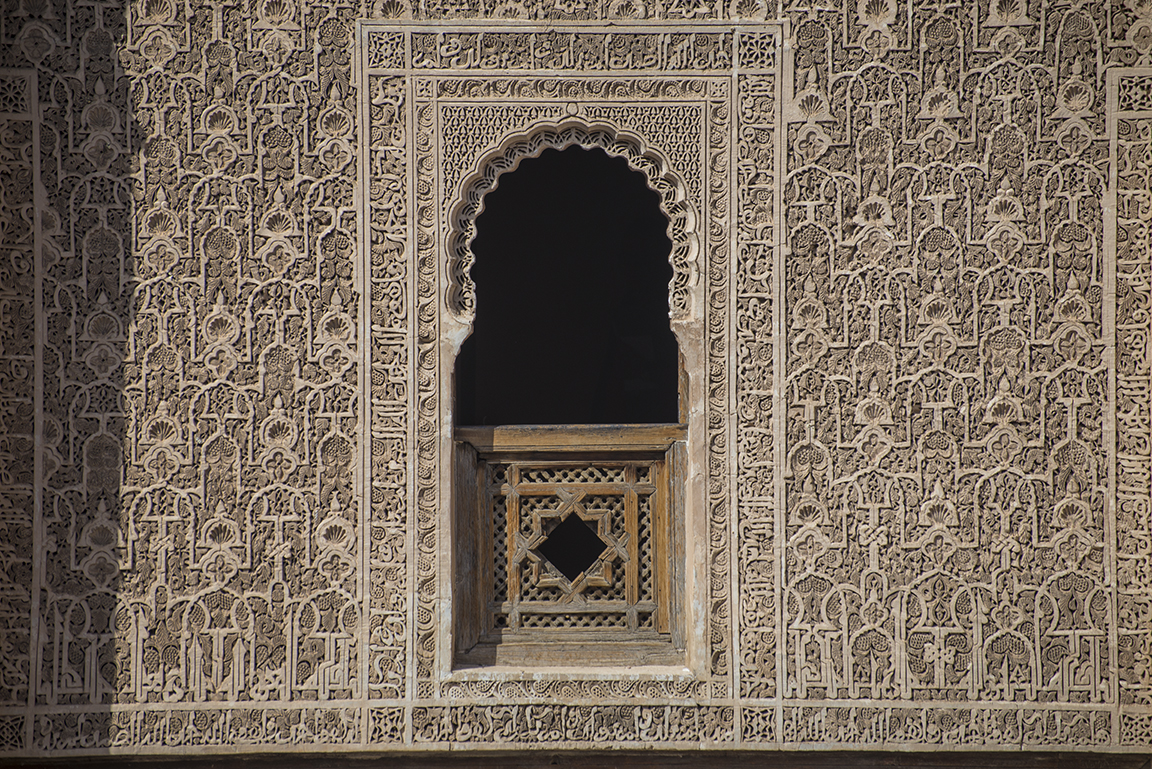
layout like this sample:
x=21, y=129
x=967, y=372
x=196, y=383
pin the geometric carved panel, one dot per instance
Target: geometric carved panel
x=548, y=527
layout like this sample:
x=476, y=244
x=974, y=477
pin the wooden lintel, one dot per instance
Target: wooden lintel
x=623, y=438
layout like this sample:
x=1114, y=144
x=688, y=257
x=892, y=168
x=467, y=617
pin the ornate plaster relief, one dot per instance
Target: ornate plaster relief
x=913, y=287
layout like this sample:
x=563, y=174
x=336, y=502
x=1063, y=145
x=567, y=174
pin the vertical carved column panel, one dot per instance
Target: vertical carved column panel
x=390, y=325
x=1130, y=132
x=720, y=439
x=19, y=387
x=427, y=349
x=754, y=375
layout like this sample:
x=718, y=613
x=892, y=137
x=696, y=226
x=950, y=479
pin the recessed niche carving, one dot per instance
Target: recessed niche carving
x=570, y=551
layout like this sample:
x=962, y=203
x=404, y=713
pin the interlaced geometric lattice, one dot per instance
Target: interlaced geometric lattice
x=573, y=545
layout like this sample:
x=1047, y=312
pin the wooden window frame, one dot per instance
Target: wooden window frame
x=477, y=642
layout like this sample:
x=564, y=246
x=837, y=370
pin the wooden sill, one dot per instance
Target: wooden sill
x=535, y=654
x=645, y=437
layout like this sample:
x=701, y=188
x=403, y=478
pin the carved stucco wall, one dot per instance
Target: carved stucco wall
x=922, y=393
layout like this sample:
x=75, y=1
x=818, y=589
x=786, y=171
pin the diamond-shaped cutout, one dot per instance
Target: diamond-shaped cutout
x=572, y=547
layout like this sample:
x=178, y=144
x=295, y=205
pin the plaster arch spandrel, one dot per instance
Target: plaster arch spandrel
x=468, y=204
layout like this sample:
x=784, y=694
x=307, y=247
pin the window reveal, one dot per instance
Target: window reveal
x=569, y=391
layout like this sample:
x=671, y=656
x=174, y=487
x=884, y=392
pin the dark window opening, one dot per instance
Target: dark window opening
x=572, y=547
x=571, y=273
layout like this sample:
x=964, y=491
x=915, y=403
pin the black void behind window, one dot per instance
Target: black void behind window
x=571, y=272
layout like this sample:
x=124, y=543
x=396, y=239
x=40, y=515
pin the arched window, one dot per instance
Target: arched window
x=568, y=412
x=571, y=278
